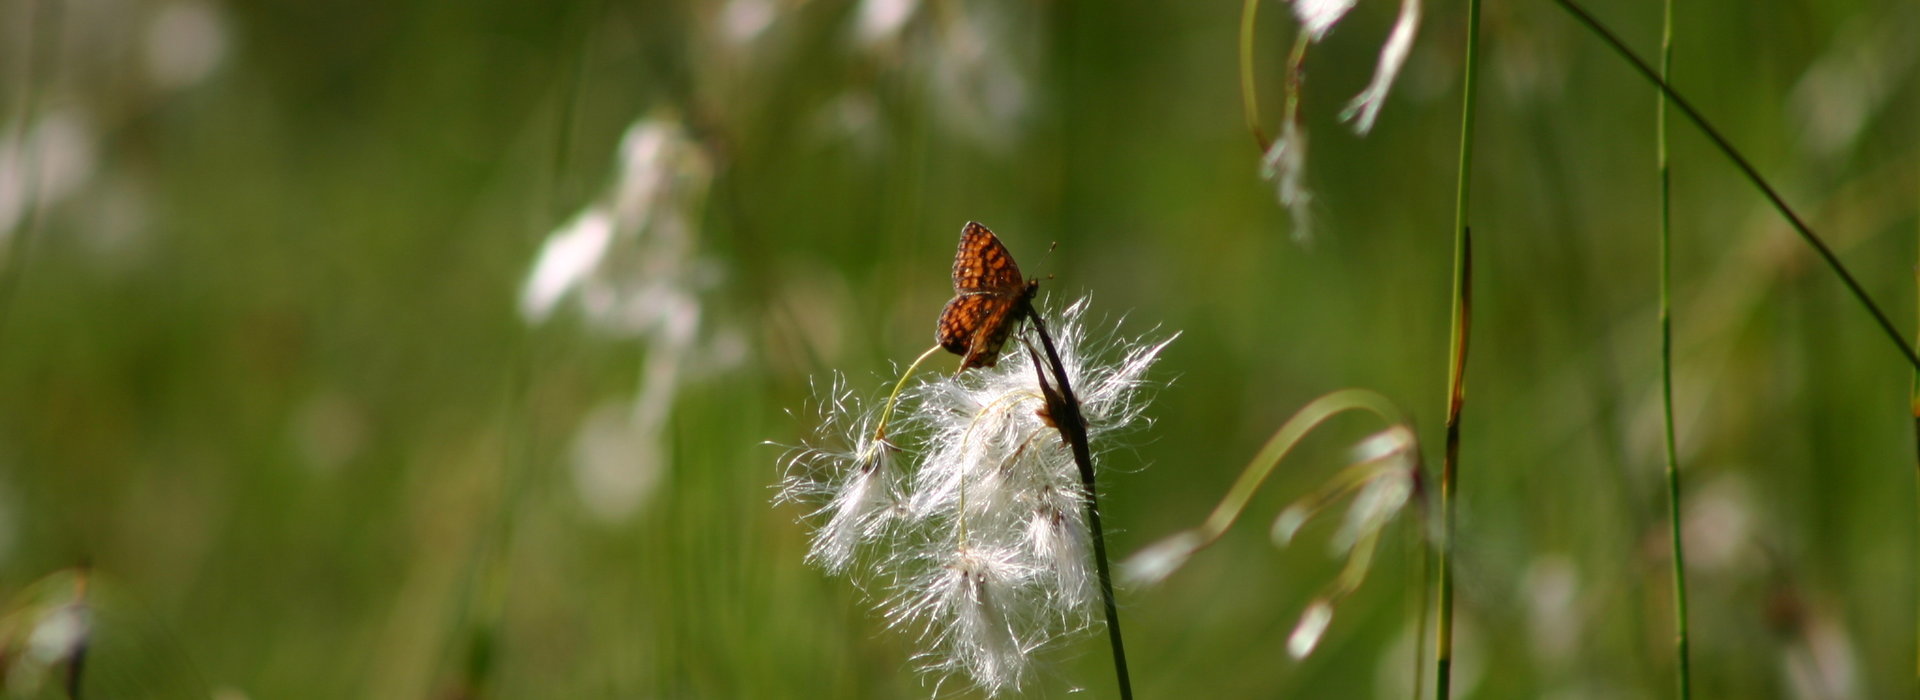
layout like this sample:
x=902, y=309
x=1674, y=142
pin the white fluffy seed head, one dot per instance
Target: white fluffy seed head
x=973, y=501
x=971, y=609
x=851, y=476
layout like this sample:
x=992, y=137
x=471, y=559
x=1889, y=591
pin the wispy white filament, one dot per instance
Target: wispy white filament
x=1286, y=165
x=860, y=510
x=969, y=609
x=1285, y=162
x=1365, y=107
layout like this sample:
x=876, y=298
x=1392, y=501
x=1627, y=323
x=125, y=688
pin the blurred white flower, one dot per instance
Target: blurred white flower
x=568, y=257
x=627, y=264
x=1853, y=83
x=983, y=543
x=742, y=21
x=1159, y=560
x=881, y=21
x=617, y=461
x=1307, y=632
x=1386, y=490
x=981, y=90
x=46, y=634
x=185, y=42
x=60, y=634
x=1555, y=623
x=49, y=165
x=627, y=260
x=1381, y=479
x=1718, y=527
x=973, y=58
x=1817, y=656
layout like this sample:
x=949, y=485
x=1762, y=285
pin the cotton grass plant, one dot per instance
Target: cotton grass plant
x=959, y=501
x=1284, y=160
x=1381, y=478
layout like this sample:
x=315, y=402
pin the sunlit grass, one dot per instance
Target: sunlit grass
x=268, y=373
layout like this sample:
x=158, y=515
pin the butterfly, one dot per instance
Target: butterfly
x=989, y=299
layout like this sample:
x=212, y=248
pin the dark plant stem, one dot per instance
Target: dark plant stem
x=1913, y=402
x=77, y=662
x=1425, y=607
x=1752, y=175
x=1682, y=665
x=1457, y=362
x=1456, y=397
x=1064, y=408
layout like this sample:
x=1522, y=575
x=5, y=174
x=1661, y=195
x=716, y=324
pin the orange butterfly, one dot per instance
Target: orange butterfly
x=989, y=299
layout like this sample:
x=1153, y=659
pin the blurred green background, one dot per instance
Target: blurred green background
x=272, y=366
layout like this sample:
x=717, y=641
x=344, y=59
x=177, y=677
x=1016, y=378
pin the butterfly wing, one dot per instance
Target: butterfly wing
x=985, y=349
x=989, y=299
x=996, y=319
x=962, y=320
x=982, y=264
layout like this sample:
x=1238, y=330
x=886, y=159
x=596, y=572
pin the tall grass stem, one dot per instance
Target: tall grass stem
x=1457, y=362
x=1683, y=669
x=1753, y=175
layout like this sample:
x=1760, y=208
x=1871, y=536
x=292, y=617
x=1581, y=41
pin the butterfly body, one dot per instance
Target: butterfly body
x=990, y=298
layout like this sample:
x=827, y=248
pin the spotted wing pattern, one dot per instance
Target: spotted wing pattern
x=982, y=264
x=989, y=299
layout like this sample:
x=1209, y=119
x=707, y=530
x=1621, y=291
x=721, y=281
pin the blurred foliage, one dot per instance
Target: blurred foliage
x=263, y=369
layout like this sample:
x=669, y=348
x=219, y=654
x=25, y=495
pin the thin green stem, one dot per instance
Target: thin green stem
x=1457, y=362
x=1278, y=446
x=1249, y=97
x=1682, y=665
x=1753, y=175
x=1064, y=408
x=1296, y=74
x=886, y=413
